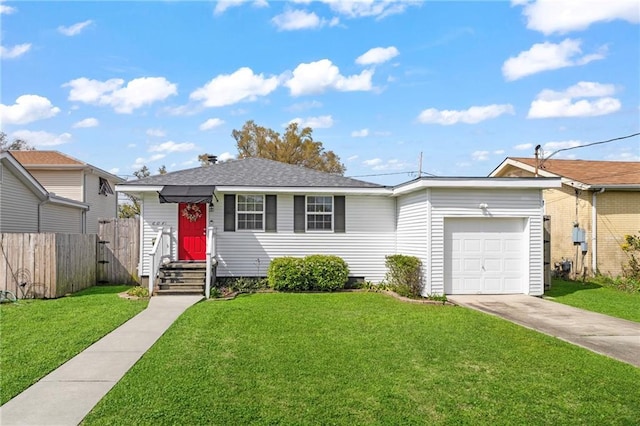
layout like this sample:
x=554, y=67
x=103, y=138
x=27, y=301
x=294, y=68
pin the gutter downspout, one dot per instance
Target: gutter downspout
x=40, y=204
x=594, y=231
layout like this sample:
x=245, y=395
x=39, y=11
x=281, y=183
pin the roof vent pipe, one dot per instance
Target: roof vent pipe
x=212, y=159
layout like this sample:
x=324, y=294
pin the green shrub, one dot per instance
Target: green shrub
x=314, y=272
x=287, y=274
x=404, y=275
x=138, y=292
x=326, y=273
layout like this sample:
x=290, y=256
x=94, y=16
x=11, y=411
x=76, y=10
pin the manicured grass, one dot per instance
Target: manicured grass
x=363, y=358
x=39, y=335
x=596, y=298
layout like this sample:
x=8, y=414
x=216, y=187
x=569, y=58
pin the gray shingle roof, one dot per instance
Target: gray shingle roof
x=254, y=172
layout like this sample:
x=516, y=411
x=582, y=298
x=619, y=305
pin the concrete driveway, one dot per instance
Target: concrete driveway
x=613, y=337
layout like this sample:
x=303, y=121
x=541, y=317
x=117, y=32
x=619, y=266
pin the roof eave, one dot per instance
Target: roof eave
x=478, y=183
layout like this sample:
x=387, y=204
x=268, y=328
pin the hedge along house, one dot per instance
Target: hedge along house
x=473, y=235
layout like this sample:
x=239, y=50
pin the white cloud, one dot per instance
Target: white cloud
x=228, y=89
x=553, y=16
x=141, y=161
x=548, y=56
x=377, y=55
x=226, y=156
x=131, y=145
x=549, y=103
x=303, y=106
x=392, y=164
x=211, y=123
x=136, y=94
x=15, y=51
x=292, y=20
x=623, y=156
x=316, y=77
x=320, y=122
x=473, y=115
x=554, y=146
x=480, y=155
x=183, y=110
x=362, y=133
x=499, y=152
x=223, y=5
x=40, y=138
x=28, y=108
x=7, y=10
x=74, y=29
x=523, y=146
x=372, y=162
x=87, y=122
x=156, y=133
x=171, y=146
x=370, y=8
x=353, y=158
x=114, y=171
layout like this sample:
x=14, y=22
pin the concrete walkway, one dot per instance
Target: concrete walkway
x=67, y=394
x=613, y=337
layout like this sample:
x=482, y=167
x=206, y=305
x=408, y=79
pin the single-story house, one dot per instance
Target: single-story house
x=601, y=198
x=68, y=177
x=26, y=206
x=473, y=235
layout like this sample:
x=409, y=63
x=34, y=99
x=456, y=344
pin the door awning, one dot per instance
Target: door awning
x=186, y=194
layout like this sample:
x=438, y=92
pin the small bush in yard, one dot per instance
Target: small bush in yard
x=404, y=275
x=326, y=273
x=287, y=274
x=315, y=272
x=138, y=292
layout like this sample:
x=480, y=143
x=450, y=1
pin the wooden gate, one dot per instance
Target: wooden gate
x=118, y=251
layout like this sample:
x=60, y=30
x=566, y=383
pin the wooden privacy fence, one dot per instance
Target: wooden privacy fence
x=118, y=251
x=47, y=265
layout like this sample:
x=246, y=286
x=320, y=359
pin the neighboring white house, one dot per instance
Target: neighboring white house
x=26, y=206
x=73, y=179
x=473, y=235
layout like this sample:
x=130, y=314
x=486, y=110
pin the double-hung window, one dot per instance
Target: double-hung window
x=319, y=213
x=250, y=212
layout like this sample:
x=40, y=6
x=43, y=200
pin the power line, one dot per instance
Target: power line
x=589, y=144
x=411, y=172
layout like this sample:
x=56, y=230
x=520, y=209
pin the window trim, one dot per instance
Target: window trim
x=239, y=212
x=307, y=213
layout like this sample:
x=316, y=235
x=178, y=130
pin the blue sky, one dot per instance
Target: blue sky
x=122, y=84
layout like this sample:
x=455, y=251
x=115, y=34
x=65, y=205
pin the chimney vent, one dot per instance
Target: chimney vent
x=213, y=159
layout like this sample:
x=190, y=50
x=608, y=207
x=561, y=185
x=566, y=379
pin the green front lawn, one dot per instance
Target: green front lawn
x=38, y=336
x=597, y=298
x=364, y=358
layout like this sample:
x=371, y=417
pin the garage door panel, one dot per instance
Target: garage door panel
x=485, y=256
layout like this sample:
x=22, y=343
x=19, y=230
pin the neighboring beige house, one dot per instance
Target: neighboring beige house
x=67, y=177
x=601, y=197
x=26, y=206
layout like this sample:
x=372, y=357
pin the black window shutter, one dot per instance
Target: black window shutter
x=271, y=210
x=298, y=213
x=339, y=215
x=229, y=212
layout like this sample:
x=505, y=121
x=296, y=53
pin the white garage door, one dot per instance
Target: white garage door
x=484, y=256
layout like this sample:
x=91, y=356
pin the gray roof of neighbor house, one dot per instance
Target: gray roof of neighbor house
x=253, y=172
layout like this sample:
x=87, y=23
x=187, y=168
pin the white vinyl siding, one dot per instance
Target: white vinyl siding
x=369, y=237
x=502, y=203
x=157, y=216
x=63, y=183
x=101, y=206
x=61, y=218
x=18, y=205
x=413, y=227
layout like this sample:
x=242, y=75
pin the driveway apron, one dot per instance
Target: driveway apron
x=613, y=337
x=66, y=395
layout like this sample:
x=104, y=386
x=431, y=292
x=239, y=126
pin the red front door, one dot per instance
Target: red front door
x=192, y=224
